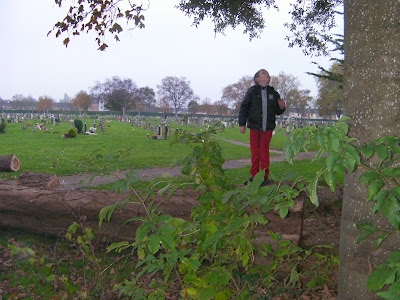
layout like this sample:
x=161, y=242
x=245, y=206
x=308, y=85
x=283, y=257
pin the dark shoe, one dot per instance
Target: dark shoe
x=247, y=181
x=264, y=183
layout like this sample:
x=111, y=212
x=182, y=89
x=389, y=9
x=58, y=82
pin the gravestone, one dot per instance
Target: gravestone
x=165, y=131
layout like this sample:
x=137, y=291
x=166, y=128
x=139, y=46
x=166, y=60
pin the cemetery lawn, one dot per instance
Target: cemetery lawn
x=121, y=147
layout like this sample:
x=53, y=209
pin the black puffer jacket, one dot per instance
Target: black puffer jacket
x=251, y=108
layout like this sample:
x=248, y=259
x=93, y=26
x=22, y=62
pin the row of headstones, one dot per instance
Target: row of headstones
x=162, y=131
x=92, y=129
x=195, y=122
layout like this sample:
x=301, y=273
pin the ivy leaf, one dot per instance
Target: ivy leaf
x=392, y=293
x=335, y=144
x=374, y=188
x=330, y=180
x=382, y=151
x=381, y=238
x=366, y=229
x=321, y=139
x=388, y=172
x=342, y=127
x=368, y=177
x=350, y=163
x=313, y=188
x=379, y=278
x=396, y=192
x=331, y=160
x=168, y=241
x=283, y=212
x=391, y=209
x=394, y=259
x=261, y=219
x=380, y=199
x=228, y=195
x=154, y=244
x=367, y=150
x=289, y=152
x=351, y=150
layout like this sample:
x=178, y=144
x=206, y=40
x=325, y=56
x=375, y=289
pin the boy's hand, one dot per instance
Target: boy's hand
x=281, y=103
x=242, y=129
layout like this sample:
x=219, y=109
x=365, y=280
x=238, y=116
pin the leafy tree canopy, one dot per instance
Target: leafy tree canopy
x=310, y=25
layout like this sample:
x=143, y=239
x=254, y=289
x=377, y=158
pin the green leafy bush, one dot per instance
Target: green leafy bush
x=73, y=132
x=3, y=127
x=78, y=125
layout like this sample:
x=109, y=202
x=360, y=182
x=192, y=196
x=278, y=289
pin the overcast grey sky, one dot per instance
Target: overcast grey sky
x=33, y=64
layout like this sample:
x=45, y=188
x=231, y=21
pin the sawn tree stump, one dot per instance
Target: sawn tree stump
x=39, y=180
x=9, y=163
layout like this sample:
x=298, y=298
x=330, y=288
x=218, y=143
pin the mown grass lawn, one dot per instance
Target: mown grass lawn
x=122, y=146
x=47, y=152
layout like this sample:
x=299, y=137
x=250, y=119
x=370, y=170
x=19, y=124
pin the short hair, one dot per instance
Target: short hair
x=258, y=74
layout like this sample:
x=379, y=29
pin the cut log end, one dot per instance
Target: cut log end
x=39, y=180
x=9, y=163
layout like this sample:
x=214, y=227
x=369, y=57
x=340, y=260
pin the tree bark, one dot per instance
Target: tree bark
x=9, y=163
x=39, y=180
x=372, y=89
x=52, y=211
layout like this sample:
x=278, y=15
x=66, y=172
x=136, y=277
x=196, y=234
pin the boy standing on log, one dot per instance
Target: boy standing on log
x=258, y=110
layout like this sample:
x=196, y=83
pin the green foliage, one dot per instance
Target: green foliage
x=3, y=127
x=204, y=164
x=40, y=278
x=72, y=132
x=330, y=141
x=387, y=273
x=78, y=125
x=210, y=254
x=380, y=161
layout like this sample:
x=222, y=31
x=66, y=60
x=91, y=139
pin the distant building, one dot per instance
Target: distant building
x=97, y=105
x=62, y=106
x=308, y=113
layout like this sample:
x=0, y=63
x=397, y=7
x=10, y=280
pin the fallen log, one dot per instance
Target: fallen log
x=9, y=163
x=39, y=180
x=52, y=211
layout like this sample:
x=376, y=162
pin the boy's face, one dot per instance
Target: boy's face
x=263, y=78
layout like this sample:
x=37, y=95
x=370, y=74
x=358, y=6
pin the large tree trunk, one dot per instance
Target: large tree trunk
x=9, y=163
x=372, y=89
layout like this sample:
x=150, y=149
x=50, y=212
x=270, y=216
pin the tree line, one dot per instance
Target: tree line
x=175, y=94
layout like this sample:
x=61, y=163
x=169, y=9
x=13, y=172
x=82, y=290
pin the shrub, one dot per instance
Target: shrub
x=78, y=125
x=3, y=127
x=72, y=132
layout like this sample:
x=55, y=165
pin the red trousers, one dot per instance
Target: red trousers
x=259, y=147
